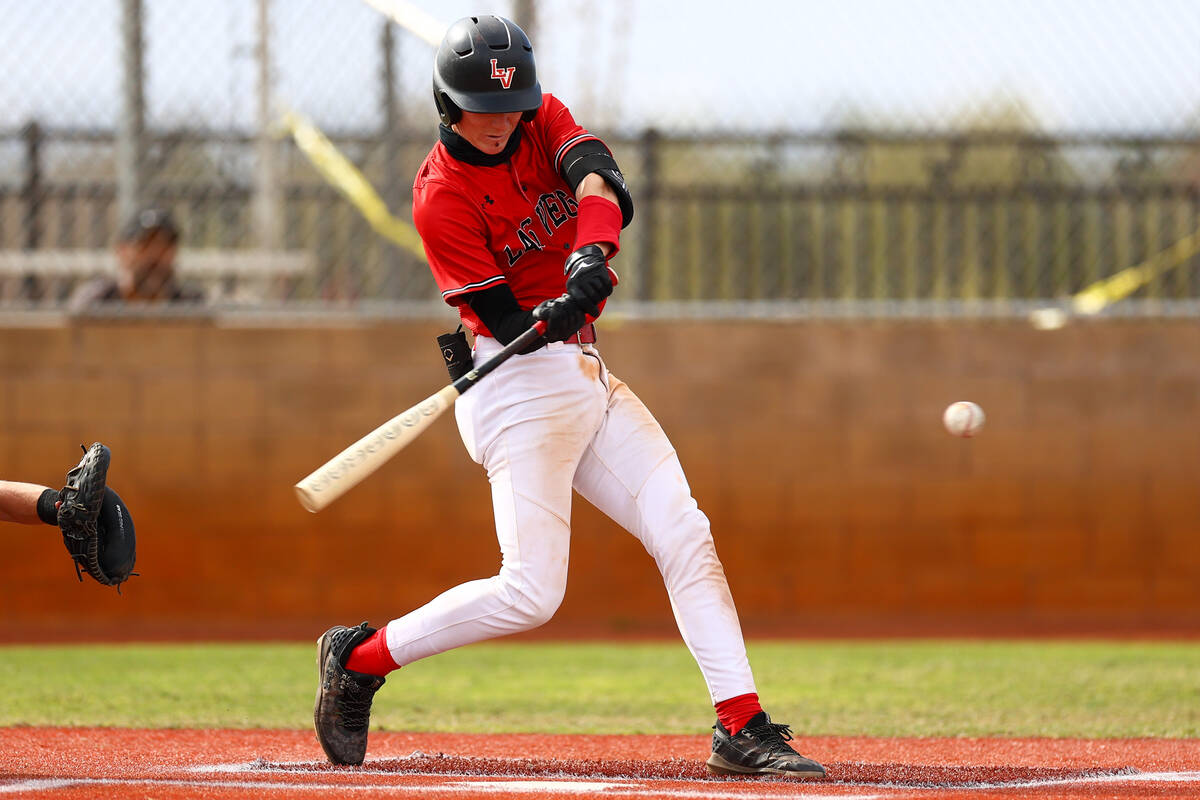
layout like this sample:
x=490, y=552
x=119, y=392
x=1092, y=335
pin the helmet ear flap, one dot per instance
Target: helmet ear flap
x=447, y=109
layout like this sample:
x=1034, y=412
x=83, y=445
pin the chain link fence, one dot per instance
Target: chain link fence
x=861, y=159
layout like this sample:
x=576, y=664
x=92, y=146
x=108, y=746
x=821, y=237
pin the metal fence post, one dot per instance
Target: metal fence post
x=389, y=283
x=648, y=210
x=267, y=191
x=131, y=122
x=525, y=14
x=32, y=190
x=32, y=196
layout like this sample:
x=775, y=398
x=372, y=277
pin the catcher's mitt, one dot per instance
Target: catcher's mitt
x=95, y=523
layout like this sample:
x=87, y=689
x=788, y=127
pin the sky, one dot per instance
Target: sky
x=1055, y=65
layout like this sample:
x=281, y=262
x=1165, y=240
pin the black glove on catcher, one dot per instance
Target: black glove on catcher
x=563, y=317
x=96, y=526
x=588, y=279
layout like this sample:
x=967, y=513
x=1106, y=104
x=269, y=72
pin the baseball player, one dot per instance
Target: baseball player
x=520, y=210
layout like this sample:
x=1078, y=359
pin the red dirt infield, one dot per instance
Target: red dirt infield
x=70, y=763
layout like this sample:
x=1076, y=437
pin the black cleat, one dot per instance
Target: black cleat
x=343, y=708
x=760, y=748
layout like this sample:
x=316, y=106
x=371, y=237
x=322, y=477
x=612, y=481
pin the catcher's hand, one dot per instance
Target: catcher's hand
x=96, y=526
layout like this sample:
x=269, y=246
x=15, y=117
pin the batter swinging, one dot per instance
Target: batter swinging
x=520, y=209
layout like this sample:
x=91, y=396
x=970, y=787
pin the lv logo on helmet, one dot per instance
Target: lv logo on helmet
x=505, y=75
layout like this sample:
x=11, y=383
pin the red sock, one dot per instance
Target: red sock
x=735, y=712
x=372, y=656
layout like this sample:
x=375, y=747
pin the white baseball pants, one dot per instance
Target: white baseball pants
x=545, y=423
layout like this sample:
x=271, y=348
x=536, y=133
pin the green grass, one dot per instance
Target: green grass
x=902, y=688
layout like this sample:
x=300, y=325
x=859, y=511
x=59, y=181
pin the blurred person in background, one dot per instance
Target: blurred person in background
x=146, y=251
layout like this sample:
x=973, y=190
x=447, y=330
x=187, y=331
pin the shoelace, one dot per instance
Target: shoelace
x=355, y=705
x=771, y=733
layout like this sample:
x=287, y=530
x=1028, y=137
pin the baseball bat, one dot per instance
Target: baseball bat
x=345, y=470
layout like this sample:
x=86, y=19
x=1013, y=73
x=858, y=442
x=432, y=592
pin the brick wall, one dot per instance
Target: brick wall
x=838, y=502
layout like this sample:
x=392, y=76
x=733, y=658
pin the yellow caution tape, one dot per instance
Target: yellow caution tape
x=412, y=18
x=347, y=179
x=1103, y=293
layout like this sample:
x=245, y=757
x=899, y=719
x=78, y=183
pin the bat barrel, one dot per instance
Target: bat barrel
x=345, y=470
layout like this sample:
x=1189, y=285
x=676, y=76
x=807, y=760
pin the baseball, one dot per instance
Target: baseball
x=963, y=418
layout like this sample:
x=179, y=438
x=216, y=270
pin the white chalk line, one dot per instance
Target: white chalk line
x=1149, y=777
x=606, y=788
x=1136, y=777
x=36, y=785
x=467, y=785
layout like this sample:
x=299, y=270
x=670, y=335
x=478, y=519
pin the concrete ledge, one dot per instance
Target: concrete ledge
x=206, y=263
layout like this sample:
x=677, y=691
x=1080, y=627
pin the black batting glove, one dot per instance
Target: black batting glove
x=588, y=279
x=562, y=315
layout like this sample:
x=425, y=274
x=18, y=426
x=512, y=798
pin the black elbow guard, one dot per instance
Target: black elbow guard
x=593, y=156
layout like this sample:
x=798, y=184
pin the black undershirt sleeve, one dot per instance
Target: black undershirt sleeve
x=497, y=308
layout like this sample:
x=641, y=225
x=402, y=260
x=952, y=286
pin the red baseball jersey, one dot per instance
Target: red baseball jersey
x=512, y=223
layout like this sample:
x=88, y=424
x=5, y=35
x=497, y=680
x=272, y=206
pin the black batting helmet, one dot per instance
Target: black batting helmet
x=485, y=65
